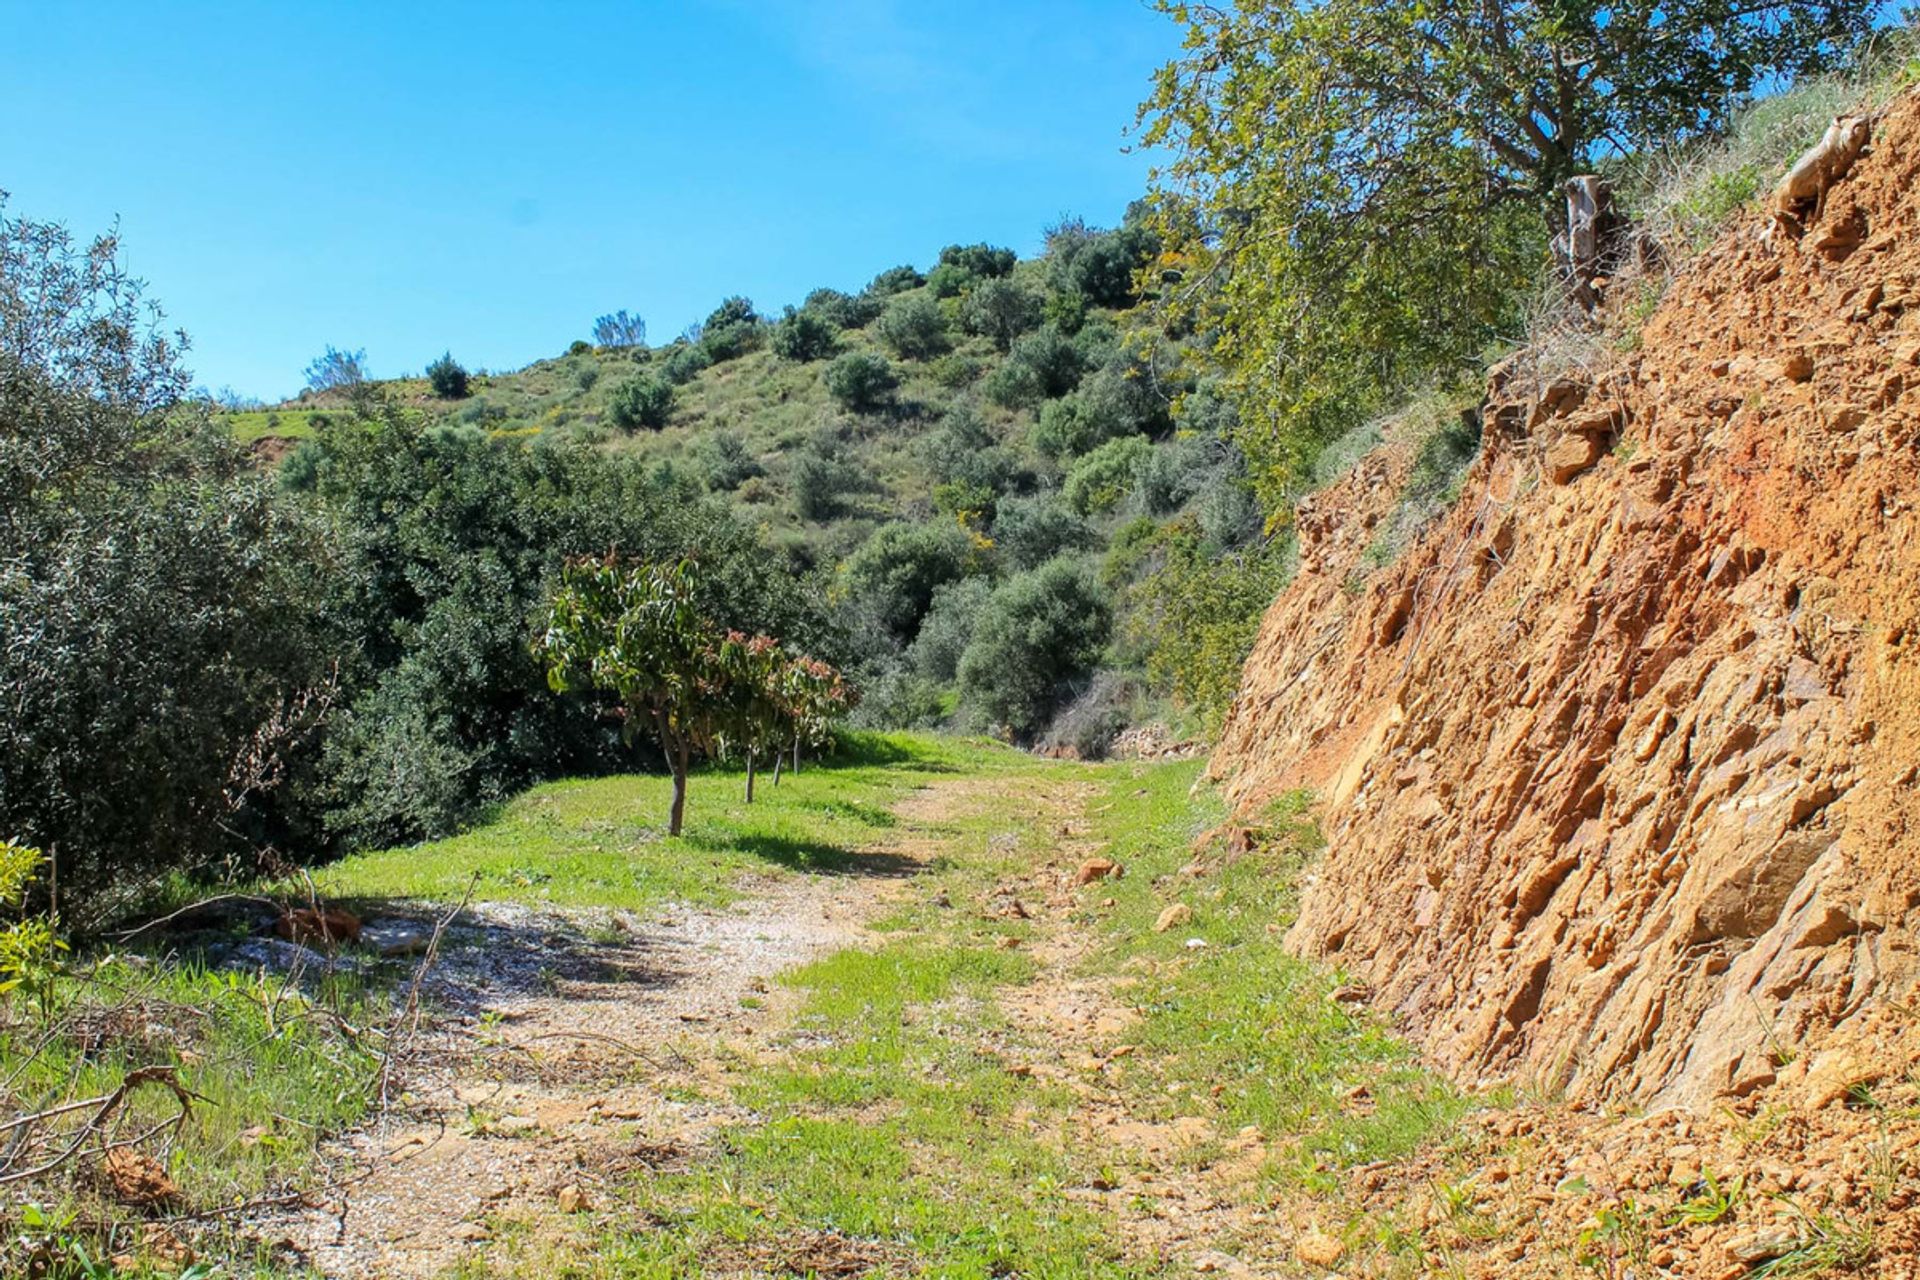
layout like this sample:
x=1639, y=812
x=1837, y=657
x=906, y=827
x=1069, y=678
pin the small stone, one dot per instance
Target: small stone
x=1318, y=1249
x=1573, y=454
x=1797, y=367
x=1758, y=1246
x=1006, y=943
x=1196, y=944
x=395, y=937
x=1173, y=917
x=573, y=1200
x=1097, y=869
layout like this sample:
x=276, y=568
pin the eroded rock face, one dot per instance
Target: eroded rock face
x=1620, y=766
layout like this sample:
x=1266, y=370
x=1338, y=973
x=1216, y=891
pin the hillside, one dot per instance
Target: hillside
x=1617, y=763
x=993, y=417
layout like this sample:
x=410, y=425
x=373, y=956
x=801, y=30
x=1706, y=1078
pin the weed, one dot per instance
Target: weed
x=1713, y=1202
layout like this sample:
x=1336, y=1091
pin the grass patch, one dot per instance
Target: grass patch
x=1236, y=1029
x=602, y=842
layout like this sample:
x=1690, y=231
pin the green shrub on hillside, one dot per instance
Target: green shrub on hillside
x=821, y=484
x=804, y=336
x=730, y=341
x=947, y=627
x=895, y=572
x=861, y=381
x=1028, y=532
x=895, y=280
x=1001, y=311
x=684, y=362
x=1041, y=365
x=1039, y=633
x=913, y=328
x=641, y=401
x=1103, y=477
x=733, y=310
x=950, y=280
x=845, y=310
x=725, y=461
x=982, y=261
x=447, y=378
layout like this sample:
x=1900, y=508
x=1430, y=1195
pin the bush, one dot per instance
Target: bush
x=731, y=311
x=447, y=378
x=1108, y=406
x=684, y=363
x=641, y=401
x=895, y=280
x=895, y=572
x=724, y=342
x=844, y=310
x=579, y=347
x=1012, y=386
x=913, y=328
x=1040, y=632
x=161, y=600
x=725, y=461
x=1098, y=265
x=1056, y=362
x=821, y=483
x=1103, y=477
x=963, y=451
x=1001, y=311
x=954, y=371
x=949, y=280
x=980, y=260
x=1028, y=532
x=1176, y=471
x=1086, y=727
x=947, y=627
x=860, y=381
x=586, y=376
x=804, y=336
x=619, y=330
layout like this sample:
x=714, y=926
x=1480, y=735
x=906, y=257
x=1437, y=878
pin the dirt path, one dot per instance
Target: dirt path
x=575, y=1032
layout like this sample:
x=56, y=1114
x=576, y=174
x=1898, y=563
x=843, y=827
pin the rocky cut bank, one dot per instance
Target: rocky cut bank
x=1619, y=766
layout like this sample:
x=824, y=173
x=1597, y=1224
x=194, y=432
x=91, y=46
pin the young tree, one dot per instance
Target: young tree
x=620, y=330
x=1000, y=310
x=760, y=713
x=860, y=381
x=804, y=335
x=635, y=632
x=447, y=378
x=816, y=695
x=1369, y=183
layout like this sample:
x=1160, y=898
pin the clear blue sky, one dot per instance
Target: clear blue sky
x=489, y=177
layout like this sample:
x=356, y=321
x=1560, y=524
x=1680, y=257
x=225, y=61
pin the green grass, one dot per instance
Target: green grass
x=906, y=1111
x=271, y=1070
x=602, y=842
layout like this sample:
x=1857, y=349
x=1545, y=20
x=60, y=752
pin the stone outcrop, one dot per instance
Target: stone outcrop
x=1619, y=766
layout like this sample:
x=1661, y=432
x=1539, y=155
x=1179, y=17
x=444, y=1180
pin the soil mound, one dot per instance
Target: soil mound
x=1620, y=764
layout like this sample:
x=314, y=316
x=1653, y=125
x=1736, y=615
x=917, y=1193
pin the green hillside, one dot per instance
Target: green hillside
x=936, y=447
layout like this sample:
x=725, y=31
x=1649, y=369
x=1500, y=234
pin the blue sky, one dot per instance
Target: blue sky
x=489, y=177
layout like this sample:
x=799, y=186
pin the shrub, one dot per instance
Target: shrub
x=894, y=573
x=734, y=310
x=586, y=376
x=1012, y=386
x=860, y=381
x=981, y=260
x=844, y=310
x=641, y=401
x=1039, y=633
x=725, y=461
x=1000, y=310
x=1028, y=532
x=447, y=378
x=803, y=336
x=1086, y=727
x=1103, y=477
x=1176, y=471
x=1056, y=363
x=579, y=347
x=954, y=371
x=730, y=341
x=895, y=280
x=1065, y=311
x=684, y=363
x=1098, y=265
x=949, y=280
x=821, y=483
x=336, y=370
x=913, y=328
x=947, y=627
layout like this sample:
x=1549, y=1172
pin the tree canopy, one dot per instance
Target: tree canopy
x=1362, y=186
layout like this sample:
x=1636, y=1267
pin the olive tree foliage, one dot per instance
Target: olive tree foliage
x=157, y=657
x=1038, y=634
x=1360, y=190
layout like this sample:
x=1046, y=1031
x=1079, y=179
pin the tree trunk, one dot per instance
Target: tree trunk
x=779, y=758
x=796, y=753
x=679, y=811
x=749, y=777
